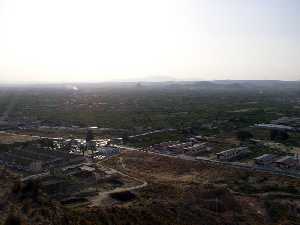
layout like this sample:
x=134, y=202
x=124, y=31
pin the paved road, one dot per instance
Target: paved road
x=35, y=176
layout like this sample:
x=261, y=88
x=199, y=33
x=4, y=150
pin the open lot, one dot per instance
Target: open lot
x=8, y=138
x=173, y=184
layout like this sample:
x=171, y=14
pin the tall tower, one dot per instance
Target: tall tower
x=89, y=137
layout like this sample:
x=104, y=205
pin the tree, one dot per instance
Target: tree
x=244, y=135
x=14, y=219
x=279, y=135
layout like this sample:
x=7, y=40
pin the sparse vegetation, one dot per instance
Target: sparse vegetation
x=177, y=191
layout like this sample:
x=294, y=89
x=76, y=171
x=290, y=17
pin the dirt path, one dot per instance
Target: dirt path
x=102, y=195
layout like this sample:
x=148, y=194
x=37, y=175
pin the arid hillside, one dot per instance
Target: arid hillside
x=177, y=192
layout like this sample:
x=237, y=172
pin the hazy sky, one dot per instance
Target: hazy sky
x=99, y=40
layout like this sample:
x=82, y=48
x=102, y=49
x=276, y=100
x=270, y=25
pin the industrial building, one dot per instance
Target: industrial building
x=286, y=162
x=265, y=159
x=275, y=127
x=232, y=153
x=106, y=151
x=32, y=158
x=192, y=147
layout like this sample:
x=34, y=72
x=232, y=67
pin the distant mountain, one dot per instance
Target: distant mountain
x=158, y=78
x=263, y=84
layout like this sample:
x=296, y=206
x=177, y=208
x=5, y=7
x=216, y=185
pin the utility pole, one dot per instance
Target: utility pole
x=217, y=201
x=122, y=163
x=96, y=178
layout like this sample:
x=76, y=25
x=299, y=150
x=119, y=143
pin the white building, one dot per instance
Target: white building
x=264, y=159
x=35, y=166
x=232, y=153
x=107, y=151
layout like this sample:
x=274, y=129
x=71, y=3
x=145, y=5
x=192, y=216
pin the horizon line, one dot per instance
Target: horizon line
x=130, y=81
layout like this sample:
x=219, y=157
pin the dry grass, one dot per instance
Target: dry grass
x=8, y=138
